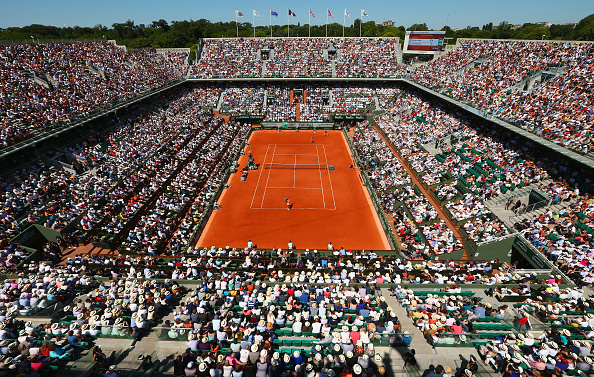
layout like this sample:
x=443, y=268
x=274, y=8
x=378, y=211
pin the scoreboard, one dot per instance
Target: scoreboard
x=423, y=42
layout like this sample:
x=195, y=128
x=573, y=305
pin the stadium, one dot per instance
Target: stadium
x=297, y=206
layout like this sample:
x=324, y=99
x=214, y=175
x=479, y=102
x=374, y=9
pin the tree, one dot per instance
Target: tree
x=564, y=32
x=504, y=26
x=161, y=24
x=488, y=26
x=584, y=30
x=418, y=27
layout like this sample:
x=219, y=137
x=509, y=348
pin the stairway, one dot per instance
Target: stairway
x=220, y=103
x=399, y=54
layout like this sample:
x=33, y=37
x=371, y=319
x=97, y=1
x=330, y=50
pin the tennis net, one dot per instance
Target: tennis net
x=273, y=165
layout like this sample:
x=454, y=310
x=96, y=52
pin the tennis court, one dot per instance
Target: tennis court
x=299, y=172
x=329, y=202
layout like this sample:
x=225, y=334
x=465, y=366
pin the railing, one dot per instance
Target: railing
x=525, y=211
x=515, y=234
x=379, y=339
x=544, y=258
x=519, y=193
x=543, y=271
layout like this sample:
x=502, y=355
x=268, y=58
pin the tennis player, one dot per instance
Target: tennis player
x=288, y=203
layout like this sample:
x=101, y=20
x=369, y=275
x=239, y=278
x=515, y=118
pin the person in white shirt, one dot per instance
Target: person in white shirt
x=297, y=326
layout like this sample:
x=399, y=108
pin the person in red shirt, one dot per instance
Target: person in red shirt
x=355, y=335
x=457, y=328
x=36, y=364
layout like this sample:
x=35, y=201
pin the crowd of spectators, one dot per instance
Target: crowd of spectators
x=351, y=99
x=565, y=237
x=368, y=57
x=492, y=76
x=279, y=107
x=226, y=57
x=45, y=85
x=312, y=109
x=299, y=57
x=243, y=100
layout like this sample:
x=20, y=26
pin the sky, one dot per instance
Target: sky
x=436, y=13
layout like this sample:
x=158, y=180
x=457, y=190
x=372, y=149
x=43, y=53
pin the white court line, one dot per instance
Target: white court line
x=297, y=188
x=259, y=176
x=295, y=209
x=294, y=154
x=321, y=182
x=330, y=179
x=267, y=178
x=295, y=172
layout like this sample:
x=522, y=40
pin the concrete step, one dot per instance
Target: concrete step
x=419, y=344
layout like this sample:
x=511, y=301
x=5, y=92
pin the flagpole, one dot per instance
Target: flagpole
x=270, y=23
x=360, y=23
x=343, y=21
x=309, y=24
x=236, y=25
x=288, y=26
x=254, y=22
x=327, y=22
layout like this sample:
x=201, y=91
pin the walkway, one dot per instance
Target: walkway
x=426, y=355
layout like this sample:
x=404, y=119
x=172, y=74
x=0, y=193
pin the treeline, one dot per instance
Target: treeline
x=187, y=33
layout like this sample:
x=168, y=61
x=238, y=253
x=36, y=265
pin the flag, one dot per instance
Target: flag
x=291, y=13
x=273, y=13
x=330, y=14
x=238, y=13
x=346, y=13
x=363, y=13
x=313, y=15
x=256, y=13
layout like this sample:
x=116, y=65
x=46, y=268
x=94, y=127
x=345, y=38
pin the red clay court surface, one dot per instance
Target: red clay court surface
x=327, y=206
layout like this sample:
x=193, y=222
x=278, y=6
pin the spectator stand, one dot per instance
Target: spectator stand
x=113, y=238
x=372, y=194
x=203, y=213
